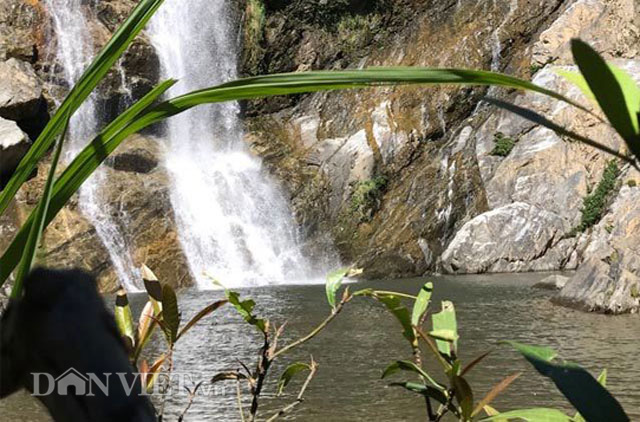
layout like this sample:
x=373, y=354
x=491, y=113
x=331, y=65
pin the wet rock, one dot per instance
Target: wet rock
x=507, y=239
x=21, y=29
x=135, y=160
x=14, y=144
x=608, y=280
x=20, y=90
x=553, y=282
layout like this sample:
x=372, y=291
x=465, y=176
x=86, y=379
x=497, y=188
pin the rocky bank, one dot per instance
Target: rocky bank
x=403, y=181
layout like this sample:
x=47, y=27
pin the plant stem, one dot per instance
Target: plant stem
x=299, y=399
x=345, y=299
x=239, y=398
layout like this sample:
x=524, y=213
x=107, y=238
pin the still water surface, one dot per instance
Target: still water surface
x=364, y=339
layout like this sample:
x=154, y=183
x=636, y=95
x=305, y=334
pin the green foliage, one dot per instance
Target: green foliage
x=533, y=68
x=366, y=197
x=503, y=145
x=594, y=204
x=590, y=398
x=289, y=373
x=245, y=309
x=254, y=20
x=334, y=281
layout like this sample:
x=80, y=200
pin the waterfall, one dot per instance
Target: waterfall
x=234, y=222
x=74, y=51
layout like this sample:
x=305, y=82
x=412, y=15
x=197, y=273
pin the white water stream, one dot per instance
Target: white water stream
x=234, y=222
x=74, y=51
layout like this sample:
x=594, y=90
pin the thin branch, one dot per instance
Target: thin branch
x=300, y=398
x=334, y=313
x=192, y=396
x=262, y=368
x=239, y=398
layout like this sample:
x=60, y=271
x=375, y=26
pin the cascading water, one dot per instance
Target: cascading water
x=234, y=223
x=74, y=52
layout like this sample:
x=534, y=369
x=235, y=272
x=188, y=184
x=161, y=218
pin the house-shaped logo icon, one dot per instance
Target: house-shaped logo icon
x=74, y=379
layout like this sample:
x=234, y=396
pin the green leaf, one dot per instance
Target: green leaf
x=334, y=281
x=96, y=71
x=133, y=120
x=203, y=313
x=422, y=303
x=615, y=94
x=530, y=415
x=245, y=309
x=405, y=365
x=395, y=306
x=542, y=353
x=170, y=313
x=602, y=380
x=39, y=220
x=445, y=330
x=578, y=80
x=146, y=325
x=590, y=398
x=289, y=373
x=425, y=390
x=77, y=172
x=464, y=395
x=124, y=318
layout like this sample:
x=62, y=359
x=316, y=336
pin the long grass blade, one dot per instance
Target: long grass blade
x=109, y=54
x=77, y=172
x=38, y=224
x=609, y=93
x=543, y=121
x=257, y=87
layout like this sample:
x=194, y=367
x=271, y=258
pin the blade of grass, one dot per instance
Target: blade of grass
x=257, y=87
x=543, y=121
x=608, y=92
x=109, y=54
x=77, y=172
x=37, y=227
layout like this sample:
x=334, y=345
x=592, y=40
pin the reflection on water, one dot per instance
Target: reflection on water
x=364, y=339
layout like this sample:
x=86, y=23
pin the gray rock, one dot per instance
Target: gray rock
x=608, y=280
x=14, y=143
x=506, y=239
x=553, y=282
x=20, y=90
x=136, y=160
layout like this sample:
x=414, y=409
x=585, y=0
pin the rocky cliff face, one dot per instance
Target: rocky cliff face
x=408, y=180
x=402, y=181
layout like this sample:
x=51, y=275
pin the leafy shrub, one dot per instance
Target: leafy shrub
x=503, y=145
x=595, y=202
x=366, y=197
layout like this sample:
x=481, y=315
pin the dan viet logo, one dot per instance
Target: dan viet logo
x=73, y=382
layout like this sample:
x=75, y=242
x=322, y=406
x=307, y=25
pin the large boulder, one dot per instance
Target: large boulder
x=20, y=90
x=609, y=279
x=14, y=143
x=515, y=237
